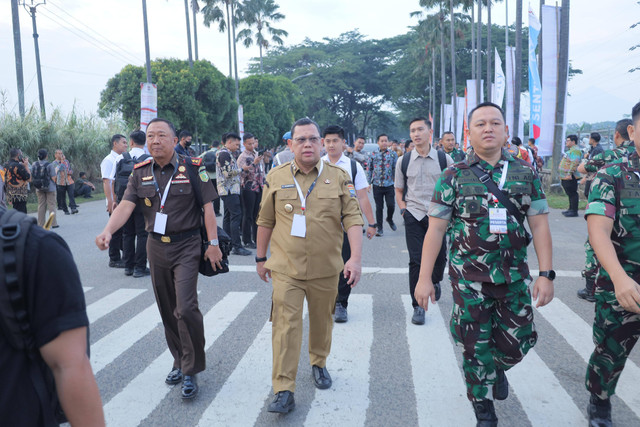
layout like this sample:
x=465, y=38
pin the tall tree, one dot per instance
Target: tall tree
x=260, y=14
x=563, y=74
x=213, y=13
x=186, y=11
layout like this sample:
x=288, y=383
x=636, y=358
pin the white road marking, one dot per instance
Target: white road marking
x=106, y=305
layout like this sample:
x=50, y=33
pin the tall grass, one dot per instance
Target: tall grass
x=84, y=138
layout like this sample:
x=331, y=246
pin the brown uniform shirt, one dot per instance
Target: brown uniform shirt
x=181, y=207
x=331, y=206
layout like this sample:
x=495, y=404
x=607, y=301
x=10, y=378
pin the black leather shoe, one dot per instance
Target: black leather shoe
x=128, y=271
x=599, y=412
x=438, y=290
x=570, y=214
x=189, y=387
x=418, y=316
x=250, y=245
x=116, y=264
x=240, y=251
x=141, y=273
x=501, y=386
x=585, y=294
x=74, y=211
x=340, y=315
x=379, y=232
x=283, y=403
x=485, y=414
x=321, y=377
x=174, y=377
x=392, y=225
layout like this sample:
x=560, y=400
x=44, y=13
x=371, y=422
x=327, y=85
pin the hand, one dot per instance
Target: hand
x=213, y=254
x=257, y=160
x=542, y=291
x=352, y=272
x=114, y=205
x=25, y=161
x=102, y=240
x=583, y=180
x=369, y=189
x=371, y=231
x=263, y=272
x=424, y=291
x=628, y=294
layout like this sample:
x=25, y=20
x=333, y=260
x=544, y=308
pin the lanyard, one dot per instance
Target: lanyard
x=503, y=180
x=303, y=199
x=163, y=198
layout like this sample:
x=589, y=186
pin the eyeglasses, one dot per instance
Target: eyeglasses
x=313, y=140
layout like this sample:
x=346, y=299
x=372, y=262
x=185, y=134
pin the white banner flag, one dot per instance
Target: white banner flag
x=448, y=116
x=148, y=104
x=549, y=35
x=241, y=122
x=471, y=94
x=510, y=62
x=460, y=120
x=500, y=82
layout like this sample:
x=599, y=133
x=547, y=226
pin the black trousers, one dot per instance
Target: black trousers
x=344, y=290
x=570, y=187
x=20, y=205
x=250, y=209
x=415, y=231
x=82, y=191
x=216, y=201
x=61, y=195
x=232, y=218
x=380, y=196
x=134, y=253
x=115, y=245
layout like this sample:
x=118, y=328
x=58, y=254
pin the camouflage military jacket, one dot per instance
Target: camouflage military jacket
x=615, y=193
x=616, y=155
x=477, y=254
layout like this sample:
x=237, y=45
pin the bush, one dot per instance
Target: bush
x=83, y=138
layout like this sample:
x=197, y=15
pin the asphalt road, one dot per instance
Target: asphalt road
x=386, y=371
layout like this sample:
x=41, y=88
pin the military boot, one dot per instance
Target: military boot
x=588, y=291
x=485, y=413
x=599, y=412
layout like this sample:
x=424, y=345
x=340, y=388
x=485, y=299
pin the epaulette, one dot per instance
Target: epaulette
x=146, y=162
x=196, y=161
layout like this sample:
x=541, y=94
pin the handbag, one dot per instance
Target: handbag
x=224, y=241
x=511, y=208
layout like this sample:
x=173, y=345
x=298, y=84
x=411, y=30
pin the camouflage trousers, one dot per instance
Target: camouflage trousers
x=590, y=263
x=615, y=332
x=494, y=325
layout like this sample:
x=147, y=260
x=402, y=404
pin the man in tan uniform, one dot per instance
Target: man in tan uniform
x=305, y=205
x=163, y=187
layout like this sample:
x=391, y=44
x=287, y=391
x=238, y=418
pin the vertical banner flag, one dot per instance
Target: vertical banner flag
x=535, y=90
x=471, y=90
x=241, y=122
x=459, y=119
x=448, y=118
x=500, y=82
x=510, y=63
x=549, y=36
x=466, y=114
x=148, y=104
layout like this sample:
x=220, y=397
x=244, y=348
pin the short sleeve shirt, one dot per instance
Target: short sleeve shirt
x=360, y=180
x=615, y=193
x=610, y=156
x=477, y=254
x=331, y=206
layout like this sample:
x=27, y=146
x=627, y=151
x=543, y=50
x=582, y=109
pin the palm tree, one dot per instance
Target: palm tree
x=212, y=13
x=260, y=14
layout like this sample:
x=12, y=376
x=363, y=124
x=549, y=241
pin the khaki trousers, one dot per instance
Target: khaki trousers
x=46, y=201
x=286, y=318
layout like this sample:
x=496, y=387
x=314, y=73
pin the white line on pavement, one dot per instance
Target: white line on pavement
x=106, y=305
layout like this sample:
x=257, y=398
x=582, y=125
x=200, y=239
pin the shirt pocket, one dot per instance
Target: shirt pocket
x=181, y=189
x=328, y=200
x=146, y=191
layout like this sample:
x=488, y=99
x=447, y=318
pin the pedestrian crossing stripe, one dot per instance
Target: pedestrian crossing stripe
x=438, y=386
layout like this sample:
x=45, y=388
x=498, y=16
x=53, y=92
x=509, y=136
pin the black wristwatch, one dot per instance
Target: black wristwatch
x=261, y=259
x=549, y=274
x=402, y=211
x=373, y=226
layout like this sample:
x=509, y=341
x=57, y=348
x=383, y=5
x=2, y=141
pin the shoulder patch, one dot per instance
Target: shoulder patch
x=196, y=161
x=146, y=162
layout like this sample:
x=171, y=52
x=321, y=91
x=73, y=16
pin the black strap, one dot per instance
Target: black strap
x=354, y=170
x=404, y=166
x=499, y=194
x=193, y=179
x=442, y=159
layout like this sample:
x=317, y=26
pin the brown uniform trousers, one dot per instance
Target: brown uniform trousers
x=286, y=316
x=174, y=274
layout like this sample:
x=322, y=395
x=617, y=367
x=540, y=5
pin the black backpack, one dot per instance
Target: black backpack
x=14, y=314
x=442, y=159
x=209, y=160
x=123, y=171
x=40, y=175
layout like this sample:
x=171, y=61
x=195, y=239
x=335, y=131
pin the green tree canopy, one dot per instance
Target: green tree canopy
x=200, y=99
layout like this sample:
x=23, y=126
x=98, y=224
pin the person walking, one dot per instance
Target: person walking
x=569, y=175
x=44, y=181
x=381, y=170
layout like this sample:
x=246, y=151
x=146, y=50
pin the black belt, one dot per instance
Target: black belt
x=173, y=238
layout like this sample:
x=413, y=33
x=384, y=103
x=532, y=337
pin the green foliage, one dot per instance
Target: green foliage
x=200, y=100
x=271, y=105
x=83, y=138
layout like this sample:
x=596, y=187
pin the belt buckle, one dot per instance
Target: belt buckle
x=165, y=239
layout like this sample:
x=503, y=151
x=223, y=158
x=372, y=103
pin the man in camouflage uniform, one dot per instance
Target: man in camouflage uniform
x=448, y=142
x=623, y=149
x=612, y=218
x=492, y=316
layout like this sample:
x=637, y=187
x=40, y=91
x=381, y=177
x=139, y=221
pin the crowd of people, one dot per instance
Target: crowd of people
x=302, y=210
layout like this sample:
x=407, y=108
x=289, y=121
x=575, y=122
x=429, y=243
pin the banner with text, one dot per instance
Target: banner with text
x=497, y=91
x=148, y=104
x=535, y=90
x=549, y=32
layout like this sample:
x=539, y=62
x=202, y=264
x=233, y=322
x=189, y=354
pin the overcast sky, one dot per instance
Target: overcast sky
x=84, y=43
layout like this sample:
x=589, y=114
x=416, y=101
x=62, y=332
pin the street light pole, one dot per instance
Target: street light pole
x=17, y=45
x=32, y=11
x=146, y=40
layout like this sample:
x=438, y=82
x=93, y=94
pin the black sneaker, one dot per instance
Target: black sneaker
x=128, y=271
x=340, y=315
x=241, y=251
x=438, y=290
x=418, y=316
x=485, y=413
x=379, y=232
x=283, y=403
x=392, y=225
x=116, y=264
x=585, y=294
x=141, y=273
x=599, y=412
x=250, y=245
x=74, y=211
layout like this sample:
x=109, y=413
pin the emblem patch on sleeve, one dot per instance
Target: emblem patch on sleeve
x=352, y=190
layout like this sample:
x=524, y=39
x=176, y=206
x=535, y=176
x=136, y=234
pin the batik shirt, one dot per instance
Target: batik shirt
x=615, y=193
x=477, y=254
x=569, y=163
x=382, y=168
x=252, y=179
x=227, y=173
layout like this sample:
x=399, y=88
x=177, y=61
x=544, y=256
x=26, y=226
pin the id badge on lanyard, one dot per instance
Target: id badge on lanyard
x=160, y=222
x=299, y=225
x=498, y=216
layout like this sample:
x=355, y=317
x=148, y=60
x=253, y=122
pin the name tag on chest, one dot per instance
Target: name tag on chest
x=498, y=220
x=160, y=224
x=299, y=226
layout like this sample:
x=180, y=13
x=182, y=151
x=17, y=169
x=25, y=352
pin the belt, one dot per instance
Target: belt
x=173, y=238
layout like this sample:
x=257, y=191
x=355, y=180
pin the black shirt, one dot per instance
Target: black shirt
x=55, y=302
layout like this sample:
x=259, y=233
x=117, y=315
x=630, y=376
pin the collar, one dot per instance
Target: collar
x=114, y=154
x=296, y=169
x=173, y=162
x=342, y=159
x=473, y=158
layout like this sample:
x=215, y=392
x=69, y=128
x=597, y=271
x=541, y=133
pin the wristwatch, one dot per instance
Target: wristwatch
x=261, y=259
x=213, y=242
x=373, y=226
x=402, y=211
x=549, y=274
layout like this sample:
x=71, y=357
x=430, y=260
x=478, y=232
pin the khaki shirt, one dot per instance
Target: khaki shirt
x=422, y=174
x=331, y=206
x=181, y=207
